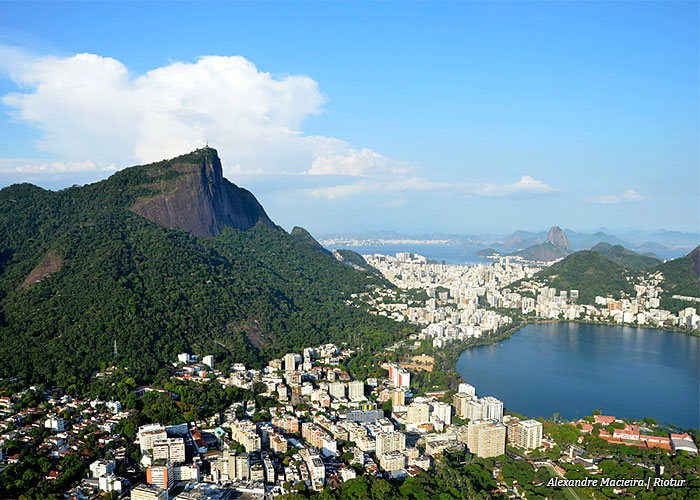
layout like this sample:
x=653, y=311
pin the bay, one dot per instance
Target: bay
x=573, y=369
x=451, y=254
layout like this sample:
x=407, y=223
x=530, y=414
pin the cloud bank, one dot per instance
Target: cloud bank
x=610, y=199
x=93, y=113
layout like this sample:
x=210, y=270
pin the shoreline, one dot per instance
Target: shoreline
x=463, y=346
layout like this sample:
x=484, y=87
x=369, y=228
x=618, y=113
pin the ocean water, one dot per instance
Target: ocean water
x=451, y=254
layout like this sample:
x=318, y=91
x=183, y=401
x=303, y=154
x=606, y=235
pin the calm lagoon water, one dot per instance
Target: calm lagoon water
x=573, y=369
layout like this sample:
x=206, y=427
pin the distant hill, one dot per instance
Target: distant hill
x=162, y=258
x=590, y=273
x=303, y=236
x=354, y=259
x=675, y=238
x=556, y=246
x=577, y=241
x=543, y=252
x=651, y=246
x=582, y=241
x=681, y=277
x=486, y=252
x=523, y=239
x=626, y=258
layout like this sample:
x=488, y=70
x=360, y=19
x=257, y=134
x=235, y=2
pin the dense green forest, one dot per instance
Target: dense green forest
x=79, y=271
x=590, y=273
x=610, y=270
x=353, y=257
x=625, y=257
x=680, y=278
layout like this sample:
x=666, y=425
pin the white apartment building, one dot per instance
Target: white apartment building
x=171, y=449
x=148, y=434
x=387, y=442
x=486, y=438
x=102, y=468
x=442, y=411
x=530, y=434
x=148, y=492
x=356, y=389
x=418, y=413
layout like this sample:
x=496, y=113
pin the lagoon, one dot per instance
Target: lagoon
x=572, y=369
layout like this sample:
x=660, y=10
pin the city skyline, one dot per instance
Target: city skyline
x=455, y=118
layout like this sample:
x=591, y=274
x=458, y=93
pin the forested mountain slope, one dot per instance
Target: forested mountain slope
x=80, y=269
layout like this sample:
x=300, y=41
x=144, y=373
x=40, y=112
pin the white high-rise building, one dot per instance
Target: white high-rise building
x=486, y=438
x=418, y=413
x=465, y=388
x=148, y=434
x=530, y=434
x=110, y=482
x=337, y=389
x=172, y=449
x=291, y=360
x=387, y=442
x=474, y=410
x=242, y=466
x=494, y=408
x=102, y=467
x=356, y=389
x=208, y=360
x=442, y=411
x=56, y=424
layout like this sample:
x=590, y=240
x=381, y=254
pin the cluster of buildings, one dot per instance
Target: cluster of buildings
x=456, y=294
x=324, y=422
x=339, y=425
x=72, y=425
x=643, y=309
x=634, y=435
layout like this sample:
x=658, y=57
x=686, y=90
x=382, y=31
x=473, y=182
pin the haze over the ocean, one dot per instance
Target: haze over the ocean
x=455, y=117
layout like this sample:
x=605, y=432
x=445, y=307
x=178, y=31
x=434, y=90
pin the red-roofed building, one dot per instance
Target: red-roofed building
x=53, y=475
x=585, y=426
x=603, y=419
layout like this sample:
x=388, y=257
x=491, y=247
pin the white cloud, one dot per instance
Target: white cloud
x=610, y=199
x=20, y=166
x=342, y=190
x=92, y=111
x=526, y=185
x=604, y=199
x=356, y=162
x=632, y=195
x=88, y=106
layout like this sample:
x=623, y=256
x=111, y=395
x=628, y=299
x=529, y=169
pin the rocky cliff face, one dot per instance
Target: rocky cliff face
x=194, y=196
x=558, y=237
x=556, y=246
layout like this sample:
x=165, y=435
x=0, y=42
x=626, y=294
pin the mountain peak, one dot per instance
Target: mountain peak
x=557, y=236
x=303, y=236
x=192, y=194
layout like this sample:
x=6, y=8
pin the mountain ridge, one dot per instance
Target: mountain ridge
x=625, y=257
x=96, y=273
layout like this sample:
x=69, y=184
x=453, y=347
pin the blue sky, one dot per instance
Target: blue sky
x=456, y=117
